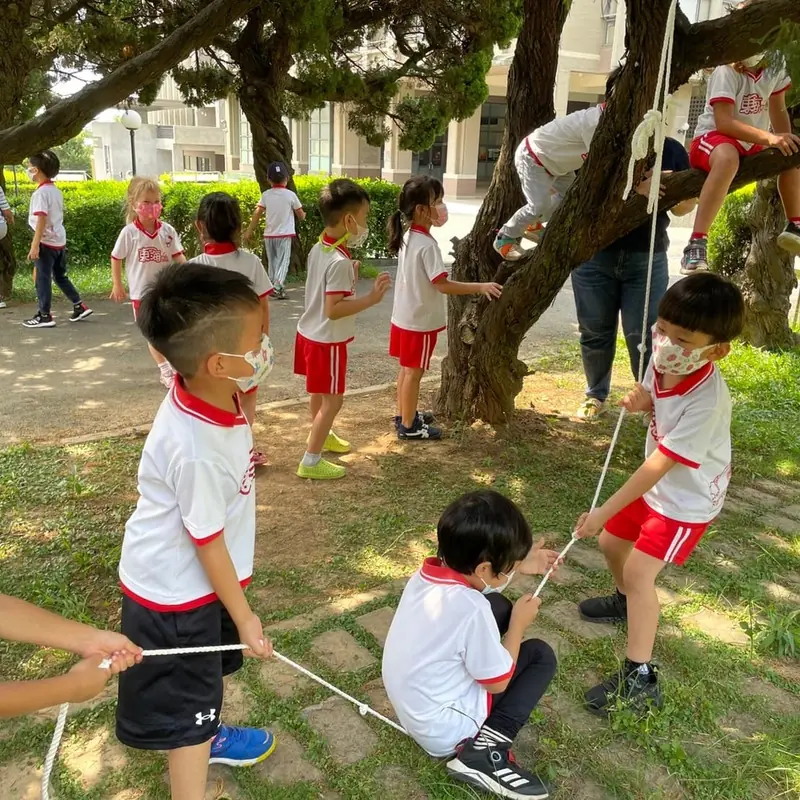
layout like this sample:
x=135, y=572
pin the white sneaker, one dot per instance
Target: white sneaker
x=590, y=408
x=3, y=303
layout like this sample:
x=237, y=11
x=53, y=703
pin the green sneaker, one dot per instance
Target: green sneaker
x=322, y=471
x=335, y=444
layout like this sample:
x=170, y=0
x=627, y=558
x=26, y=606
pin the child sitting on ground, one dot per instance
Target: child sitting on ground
x=546, y=162
x=24, y=622
x=328, y=323
x=282, y=206
x=659, y=516
x=146, y=245
x=743, y=100
x=219, y=224
x=420, y=306
x=187, y=553
x=455, y=666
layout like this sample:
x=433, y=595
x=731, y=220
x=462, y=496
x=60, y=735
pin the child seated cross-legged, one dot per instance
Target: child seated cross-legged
x=187, y=553
x=659, y=516
x=455, y=666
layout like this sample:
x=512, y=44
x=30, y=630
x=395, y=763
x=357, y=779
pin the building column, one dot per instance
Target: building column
x=300, y=133
x=618, y=46
x=461, y=170
x=396, y=162
x=345, y=156
x=561, y=98
x=677, y=121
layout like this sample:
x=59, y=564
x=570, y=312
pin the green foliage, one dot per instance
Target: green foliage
x=786, y=47
x=776, y=633
x=75, y=154
x=729, y=238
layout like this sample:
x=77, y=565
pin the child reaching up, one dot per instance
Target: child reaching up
x=659, y=516
x=455, y=666
x=146, y=245
x=419, y=312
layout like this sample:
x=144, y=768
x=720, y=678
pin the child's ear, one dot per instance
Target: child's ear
x=719, y=352
x=215, y=366
x=201, y=231
x=484, y=570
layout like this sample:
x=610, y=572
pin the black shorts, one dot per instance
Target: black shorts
x=167, y=702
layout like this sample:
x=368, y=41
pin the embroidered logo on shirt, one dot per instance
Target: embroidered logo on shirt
x=719, y=487
x=752, y=104
x=152, y=254
x=246, y=486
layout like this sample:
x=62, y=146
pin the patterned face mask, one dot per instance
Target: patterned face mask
x=148, y=211
x=261, y=360
x=672, y=359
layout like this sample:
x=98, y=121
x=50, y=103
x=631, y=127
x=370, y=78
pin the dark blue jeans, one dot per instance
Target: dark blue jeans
x=52, y=266
x=614, y=283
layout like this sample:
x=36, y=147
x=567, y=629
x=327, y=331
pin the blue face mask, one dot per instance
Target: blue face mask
x=497, y=589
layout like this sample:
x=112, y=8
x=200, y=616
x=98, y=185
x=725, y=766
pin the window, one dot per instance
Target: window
x=319, y=141
x=187, y=162
x=245, y=140
x=107, y=159
x=493, y=124
x=609, y=25
x=703, y=10
x=203, y=164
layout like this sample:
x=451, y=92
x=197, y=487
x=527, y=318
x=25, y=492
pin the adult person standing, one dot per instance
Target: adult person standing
x=613, y=284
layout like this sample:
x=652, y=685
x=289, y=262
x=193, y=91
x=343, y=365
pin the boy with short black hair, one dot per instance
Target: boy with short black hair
x=328, y=322
x=49, y=246
x=458, y=687
x=187, y=554
x=659, y=516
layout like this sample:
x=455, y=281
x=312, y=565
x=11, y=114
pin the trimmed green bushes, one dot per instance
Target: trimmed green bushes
x=729, y=239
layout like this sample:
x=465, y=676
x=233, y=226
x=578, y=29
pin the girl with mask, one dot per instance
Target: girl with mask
x=146, y=245
x=419, y=313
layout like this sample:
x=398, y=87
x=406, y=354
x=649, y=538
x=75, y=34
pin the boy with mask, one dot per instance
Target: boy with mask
x=328, y=323
x=659, y=516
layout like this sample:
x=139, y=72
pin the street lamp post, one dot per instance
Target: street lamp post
x=131, y=120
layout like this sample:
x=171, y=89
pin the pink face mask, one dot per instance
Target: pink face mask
x=148, y=211
x=439, y=216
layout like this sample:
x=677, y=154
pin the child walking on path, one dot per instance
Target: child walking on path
x=49, y=246
x=455, y=666
x=281, y=206
x=419, y=312
x=328, y=323
x=743, y=101
x=146, y=245
x=659, y=516
x=219, y=224
x=187, y=553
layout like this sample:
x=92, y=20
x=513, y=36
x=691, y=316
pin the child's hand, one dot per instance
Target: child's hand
x=251, y=633
x=589, y=524
x=381, y=286
x=86, y=679
x=539, y=560
x=247, y=235
x=118, y=293
x=490, y=290
x=33, y=253
x=644, y=186
x=525, y=610
x=110, y=644
x=639, y=399
x=787, y=143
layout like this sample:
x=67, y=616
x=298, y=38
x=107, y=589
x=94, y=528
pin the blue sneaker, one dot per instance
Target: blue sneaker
x=241, y=747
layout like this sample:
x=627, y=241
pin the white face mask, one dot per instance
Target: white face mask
x=358, y=238
x=441, y=215
x=672, y=359
x=32, y=172
x=493, y=589
x=753, y=61
x=262, y=361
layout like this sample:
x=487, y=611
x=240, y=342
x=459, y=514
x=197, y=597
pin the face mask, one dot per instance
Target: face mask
x=359, y=237
x=262, y=362
x=497, y=589
x=672, y=359
x=148, y=211
x=32, y=172
x=753, y=61
x=440, y=215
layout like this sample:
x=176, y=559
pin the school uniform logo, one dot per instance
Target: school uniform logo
x=201, y=718
x=752, y=104
x=148, y=255
x=246, y=485
x=719, y=487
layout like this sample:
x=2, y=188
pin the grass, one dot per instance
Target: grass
x=729, y=729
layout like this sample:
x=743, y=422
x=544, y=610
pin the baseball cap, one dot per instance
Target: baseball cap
x=277, y=172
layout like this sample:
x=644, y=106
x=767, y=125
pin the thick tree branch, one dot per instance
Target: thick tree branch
x=66, y=118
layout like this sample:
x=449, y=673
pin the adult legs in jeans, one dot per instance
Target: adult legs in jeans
x=52, y=266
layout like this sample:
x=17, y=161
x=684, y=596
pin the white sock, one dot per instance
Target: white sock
x=311, y=459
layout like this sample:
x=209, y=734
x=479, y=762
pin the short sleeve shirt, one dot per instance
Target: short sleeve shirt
x=279, y=204
x=691, y=424
x=748, y=92
x=4, y=206
x=442, y=649
x=227, y=256
x=196, y=483
x=418, y=304
x=145, y=253
x=563, y=144
x=48, y=201
x=329, y=271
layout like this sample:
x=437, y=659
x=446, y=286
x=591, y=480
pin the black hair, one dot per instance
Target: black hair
x=341, y=197
x=612, y=80
x=46, y=162
x=707, y=303
x=221, y=215
x=483, y=526
x=192, y=311
x=421, y=190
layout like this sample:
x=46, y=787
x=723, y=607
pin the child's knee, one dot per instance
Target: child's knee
x=636, y=578
x=724, y=161
x=609, y=544
x=540, y=653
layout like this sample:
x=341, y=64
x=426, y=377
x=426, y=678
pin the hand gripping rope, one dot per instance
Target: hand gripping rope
x=652, y=126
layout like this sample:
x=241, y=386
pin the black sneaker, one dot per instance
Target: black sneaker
x=80, y=311
x=635, y=688
x=487, y=763
x=419, y=431
x=695, y=257
x=427, y=417
x=611, y=608
x=789, y=240
x=39, y=320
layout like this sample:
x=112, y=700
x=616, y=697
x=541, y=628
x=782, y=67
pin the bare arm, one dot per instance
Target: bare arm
x=338, y=306
x=300, y=213
x=446, y=286
x=727, y=124
x=779, y=114
x=179, y=259
x=257, y=214
x=265, y=315
x=9, y=215
x=684, y=208
x=41, y=222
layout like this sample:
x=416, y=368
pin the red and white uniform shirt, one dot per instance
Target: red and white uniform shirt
x=227, y=256
x=561, y=146
x=196, y=482
x=692, y=425
x=748, y=93
x=279, y=204
x=48, y=201
x=443, y=647
x=145, y=253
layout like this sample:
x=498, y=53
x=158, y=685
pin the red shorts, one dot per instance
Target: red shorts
x=135, y=304
x=703, y=146
x=656, y=535
x=413, y=348
x=324, y=365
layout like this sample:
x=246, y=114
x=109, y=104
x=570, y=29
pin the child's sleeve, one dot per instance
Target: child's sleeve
x=688, y=442
x=589, y=122
x=782, y=83
x=261, y=282
x=295, y=200
x=176, y=248
x=262, y=203
x=722, y=86
x=4, y=206
x=203, y=490
x=432, y=263
x=339, y=277
x=122, y=247
x=485, y=658
x=40, y=204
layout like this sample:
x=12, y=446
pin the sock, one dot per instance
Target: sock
x=488, y=737
x=698, y=235
x=311, y=459
x=643, y=668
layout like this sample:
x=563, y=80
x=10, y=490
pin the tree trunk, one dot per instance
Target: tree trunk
x=768, y=279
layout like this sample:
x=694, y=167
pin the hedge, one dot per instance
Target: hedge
x=94, y=213
x=729, y=239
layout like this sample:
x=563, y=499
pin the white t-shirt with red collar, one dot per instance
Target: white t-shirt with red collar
x=227, y=256
x=145, y=253
x=418, y=305
x=748, y=93
x=330, y=270
x=279, y=204
x=196, y=482
x=47, y=201
x=692, y=425
x=561, y=146
x=443, y=647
